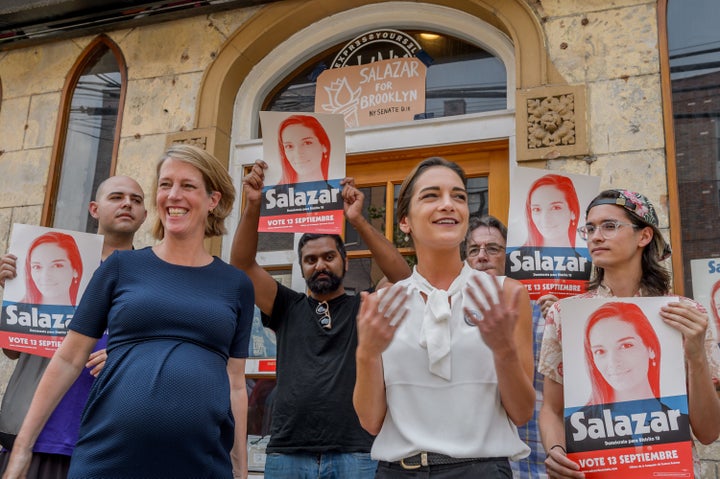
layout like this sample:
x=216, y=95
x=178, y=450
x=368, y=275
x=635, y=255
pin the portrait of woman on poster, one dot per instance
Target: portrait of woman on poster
x=552, y=212
x=304, y=147
x=622, y=353
x=53, y=270
x=715, y=307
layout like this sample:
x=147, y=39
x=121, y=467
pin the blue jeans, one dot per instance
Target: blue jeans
x=328, y=465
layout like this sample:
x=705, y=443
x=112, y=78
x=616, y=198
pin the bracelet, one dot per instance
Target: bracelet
x=560, y=446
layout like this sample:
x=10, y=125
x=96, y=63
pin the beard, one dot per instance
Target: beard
x=324, y=285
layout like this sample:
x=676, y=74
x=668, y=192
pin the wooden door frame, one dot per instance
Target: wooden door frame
x=482, y=158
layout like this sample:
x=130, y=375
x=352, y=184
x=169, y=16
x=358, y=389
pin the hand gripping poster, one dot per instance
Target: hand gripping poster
x=544, y=249
x=626, y=408
x=305, y=153
x=706, y=288
x=53, y=269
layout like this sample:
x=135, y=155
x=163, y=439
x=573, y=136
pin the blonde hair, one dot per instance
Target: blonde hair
x=215, y=177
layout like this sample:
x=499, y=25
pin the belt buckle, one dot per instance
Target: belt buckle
x=409, y=467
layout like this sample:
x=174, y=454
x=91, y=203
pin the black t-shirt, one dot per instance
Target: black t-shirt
x=312, y=409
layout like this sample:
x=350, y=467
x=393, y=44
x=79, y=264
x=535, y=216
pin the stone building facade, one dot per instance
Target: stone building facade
x=204, y=78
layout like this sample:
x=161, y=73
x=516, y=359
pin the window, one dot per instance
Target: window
x=461, y=78
x=694, y=57
x=90, y=126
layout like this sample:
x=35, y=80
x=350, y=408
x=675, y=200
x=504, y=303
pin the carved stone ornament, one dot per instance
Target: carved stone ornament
x=551, y=123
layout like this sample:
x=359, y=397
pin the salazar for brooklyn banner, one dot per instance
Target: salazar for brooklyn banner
x=385, y=91
x=53, y=269
x=626, y=408
x=305, y=153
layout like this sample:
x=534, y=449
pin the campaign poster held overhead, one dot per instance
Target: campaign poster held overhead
x=305, y=153
x=706, y=288
x=53, y=269
x=626, y=408
x=386, y=91
x=544, y=249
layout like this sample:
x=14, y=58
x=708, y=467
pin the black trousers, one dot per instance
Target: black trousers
x=481, y=469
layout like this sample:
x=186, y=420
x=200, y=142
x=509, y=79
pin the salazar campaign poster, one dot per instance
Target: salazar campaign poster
x=305, y=153
x=544, y=250
x=53, y=269
x=626, y=408
x=385, y=91
x=706, y=288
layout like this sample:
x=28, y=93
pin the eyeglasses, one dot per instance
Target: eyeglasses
x=607, y=229
x=323, y=310
x=491, y=249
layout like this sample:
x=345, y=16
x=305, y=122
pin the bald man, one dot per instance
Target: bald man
x=119, y=207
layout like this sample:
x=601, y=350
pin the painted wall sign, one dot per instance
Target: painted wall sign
x=385, y=91
x=375, y=79
x=375, y=46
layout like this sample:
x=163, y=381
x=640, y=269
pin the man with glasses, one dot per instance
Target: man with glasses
x=315, y=432
x=485, y=251
x=485, y=244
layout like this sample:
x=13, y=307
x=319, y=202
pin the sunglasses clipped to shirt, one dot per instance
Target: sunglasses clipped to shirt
x=323, y=311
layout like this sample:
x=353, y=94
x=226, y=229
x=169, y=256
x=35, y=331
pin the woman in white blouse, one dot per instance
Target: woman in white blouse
x=444, y=358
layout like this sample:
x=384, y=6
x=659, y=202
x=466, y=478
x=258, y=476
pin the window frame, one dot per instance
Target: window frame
x=670, y=151
x=56, y=159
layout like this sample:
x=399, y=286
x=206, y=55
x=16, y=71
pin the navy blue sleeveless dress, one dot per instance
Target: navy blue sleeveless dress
x=160, y=408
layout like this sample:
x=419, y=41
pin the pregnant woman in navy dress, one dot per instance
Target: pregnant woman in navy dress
x=178, y=322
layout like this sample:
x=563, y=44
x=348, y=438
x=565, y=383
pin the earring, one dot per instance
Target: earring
x=654, y=363
x=406, y=238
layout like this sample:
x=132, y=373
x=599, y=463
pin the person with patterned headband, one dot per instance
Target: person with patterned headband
x=627, y=251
